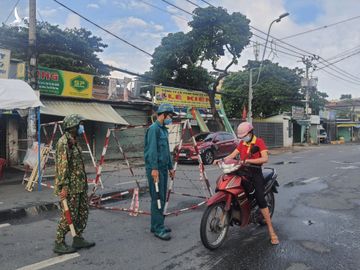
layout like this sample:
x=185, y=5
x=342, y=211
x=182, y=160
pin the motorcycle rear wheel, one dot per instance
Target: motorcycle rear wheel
x=212, y=233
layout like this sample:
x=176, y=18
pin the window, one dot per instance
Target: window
x=227, y=136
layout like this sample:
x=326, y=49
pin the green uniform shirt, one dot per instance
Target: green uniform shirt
x=69, y=166
x=157, y=151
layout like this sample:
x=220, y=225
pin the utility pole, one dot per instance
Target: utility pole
x=32, y=70
x=307, y=83
x=256, y=51
x=250, y=97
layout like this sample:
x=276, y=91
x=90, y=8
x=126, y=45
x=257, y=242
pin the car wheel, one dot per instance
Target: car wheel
x=208, y=157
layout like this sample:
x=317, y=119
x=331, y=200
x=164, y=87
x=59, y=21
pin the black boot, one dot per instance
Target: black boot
x=79, y=242
x=63, y=248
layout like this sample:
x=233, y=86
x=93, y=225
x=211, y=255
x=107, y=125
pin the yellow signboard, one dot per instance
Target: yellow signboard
x=184, y=98
x=20, y=71
x=64, y=83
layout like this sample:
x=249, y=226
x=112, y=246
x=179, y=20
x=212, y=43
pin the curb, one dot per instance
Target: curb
x=34, y=210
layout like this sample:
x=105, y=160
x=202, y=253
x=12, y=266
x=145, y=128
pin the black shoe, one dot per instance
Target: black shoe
x=79, y=242
x=163, y=236
x=63, y=248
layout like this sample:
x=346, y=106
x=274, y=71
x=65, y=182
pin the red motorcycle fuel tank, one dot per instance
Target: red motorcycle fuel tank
x=231, y=183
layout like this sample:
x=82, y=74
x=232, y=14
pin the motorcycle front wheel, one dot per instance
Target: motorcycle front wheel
x=214, y=226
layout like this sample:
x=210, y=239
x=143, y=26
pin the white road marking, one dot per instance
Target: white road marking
x=4, y=225
x=49, y=262
x=347, y=167
x=310, y=179
x=1, y=202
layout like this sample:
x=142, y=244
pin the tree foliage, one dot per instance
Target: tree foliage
x=278, y=89
x=69, y=49
x=215, y=34
x=346, y=96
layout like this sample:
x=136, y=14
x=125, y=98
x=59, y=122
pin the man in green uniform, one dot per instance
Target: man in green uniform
x=158, y=164
x=71, y=184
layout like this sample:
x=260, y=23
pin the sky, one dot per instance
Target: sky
x=145, y=22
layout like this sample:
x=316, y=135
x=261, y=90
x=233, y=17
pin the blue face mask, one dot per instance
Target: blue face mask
x=247, y=138
x=167, y=121
x=81, y=130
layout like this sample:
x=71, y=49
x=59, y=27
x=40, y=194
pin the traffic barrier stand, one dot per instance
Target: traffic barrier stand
x=49, y=154
x=203, y=177
x=135, y=203
x=117, y=172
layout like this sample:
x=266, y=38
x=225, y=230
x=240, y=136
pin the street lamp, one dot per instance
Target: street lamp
x=261, y=63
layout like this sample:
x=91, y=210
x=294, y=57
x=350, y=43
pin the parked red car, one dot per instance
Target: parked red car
x=212, y=145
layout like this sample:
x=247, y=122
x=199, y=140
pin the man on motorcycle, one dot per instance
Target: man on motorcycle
x=253, y=152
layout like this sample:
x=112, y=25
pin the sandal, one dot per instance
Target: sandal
x=274, y=240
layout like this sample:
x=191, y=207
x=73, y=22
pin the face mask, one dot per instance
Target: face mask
x=247, y=138
x=167, y=121
x=81, y=130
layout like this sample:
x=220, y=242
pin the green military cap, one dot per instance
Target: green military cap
x=166, y=108
x=72, y=120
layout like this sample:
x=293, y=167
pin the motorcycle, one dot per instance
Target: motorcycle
x=231, y=206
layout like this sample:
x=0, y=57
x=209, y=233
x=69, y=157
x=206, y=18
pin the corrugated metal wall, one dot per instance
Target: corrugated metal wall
x=131, y=140
x=271, y=133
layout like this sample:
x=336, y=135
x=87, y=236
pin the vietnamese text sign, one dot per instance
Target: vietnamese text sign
x=297, y=112
x=64, y=83
x=184, y=98
x=4, y=63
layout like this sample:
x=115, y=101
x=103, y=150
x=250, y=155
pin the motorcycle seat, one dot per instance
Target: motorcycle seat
x=268, y=175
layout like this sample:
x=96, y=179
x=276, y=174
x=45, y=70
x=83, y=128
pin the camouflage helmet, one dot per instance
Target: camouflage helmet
x=166, y=108
x=72, y=120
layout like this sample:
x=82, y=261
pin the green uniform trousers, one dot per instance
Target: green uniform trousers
x=157, y=217
x=79, y=211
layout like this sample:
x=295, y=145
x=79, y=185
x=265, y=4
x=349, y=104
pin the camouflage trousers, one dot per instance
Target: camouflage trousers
x=79, y=211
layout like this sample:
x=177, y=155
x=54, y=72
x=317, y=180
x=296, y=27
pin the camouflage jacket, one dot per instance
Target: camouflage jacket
x=69, y=166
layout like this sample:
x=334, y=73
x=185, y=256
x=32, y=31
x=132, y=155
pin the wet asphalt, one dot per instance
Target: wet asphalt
x=316, y=217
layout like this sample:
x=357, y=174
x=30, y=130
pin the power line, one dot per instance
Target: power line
x=334, y=75
x=339, y=71
x=177, y=7
x=321, y=27
x=277, y=50
x=102, y=28
x=281, y=46
x=290, y=45
x=163, y=10
x=348, y=51
x=191, y=2
x=206, y=2
x=341, y=59
x=171, y=84
x=307, y=52
x=11, y=11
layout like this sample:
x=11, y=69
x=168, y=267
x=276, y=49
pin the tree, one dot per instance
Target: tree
x=277, y=90
x=346, y=96
x=69, y=49
x=317, y=101
x=215, y=34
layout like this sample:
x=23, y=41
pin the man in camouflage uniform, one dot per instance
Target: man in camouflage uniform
x=71, y=184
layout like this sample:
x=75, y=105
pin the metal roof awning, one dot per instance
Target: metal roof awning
x=92, y=111
x=347, y=125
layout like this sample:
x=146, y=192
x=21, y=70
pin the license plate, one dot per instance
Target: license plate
x=182, y=155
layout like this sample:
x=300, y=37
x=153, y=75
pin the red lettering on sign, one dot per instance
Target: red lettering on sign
x=55, y=77
x=46, y=75
x=190, y=98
